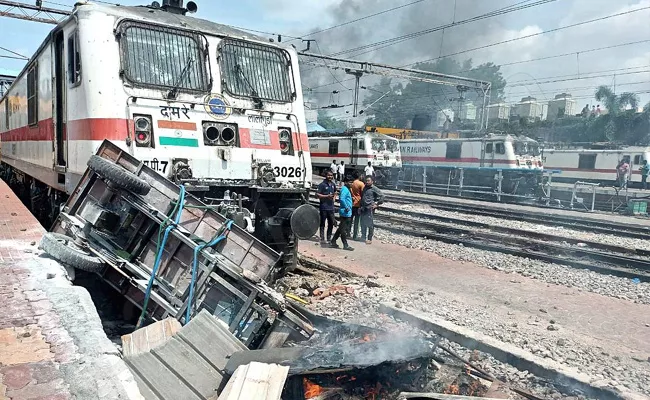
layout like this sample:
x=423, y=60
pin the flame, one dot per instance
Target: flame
x=311, y=389
x=368, y=337
x=452, y=389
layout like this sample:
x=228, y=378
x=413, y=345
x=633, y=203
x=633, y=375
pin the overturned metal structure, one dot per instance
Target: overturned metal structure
x=170, y=254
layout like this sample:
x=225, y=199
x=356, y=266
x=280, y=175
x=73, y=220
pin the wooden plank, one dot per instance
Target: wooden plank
x=256, y=381
x=149, y=337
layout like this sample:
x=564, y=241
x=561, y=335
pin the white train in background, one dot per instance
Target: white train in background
x=595, y=165
x=356, y=148
x=480, y=159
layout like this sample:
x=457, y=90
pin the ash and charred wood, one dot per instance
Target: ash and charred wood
x=340, y=357
x=315, y=264
x=330, y=394
x=438, y=396
x=486, y=375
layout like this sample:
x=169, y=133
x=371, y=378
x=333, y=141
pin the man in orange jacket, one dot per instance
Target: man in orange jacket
x=356, y=189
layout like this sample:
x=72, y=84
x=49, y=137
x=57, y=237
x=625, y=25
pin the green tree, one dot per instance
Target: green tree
x=328, y=122
x=396, y=105
x=614, y=103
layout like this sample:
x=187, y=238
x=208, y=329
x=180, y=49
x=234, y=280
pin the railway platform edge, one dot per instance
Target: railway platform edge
x=52, y=345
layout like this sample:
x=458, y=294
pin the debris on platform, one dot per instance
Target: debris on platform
x=256, y=381
x=188, y=362
x=151, y=336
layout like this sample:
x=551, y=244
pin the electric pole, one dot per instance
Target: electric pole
x=30, y=12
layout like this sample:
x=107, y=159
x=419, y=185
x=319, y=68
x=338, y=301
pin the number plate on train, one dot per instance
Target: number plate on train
x=289, y=172
x=157, y=165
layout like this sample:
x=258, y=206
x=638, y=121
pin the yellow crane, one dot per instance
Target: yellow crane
x=410, y=133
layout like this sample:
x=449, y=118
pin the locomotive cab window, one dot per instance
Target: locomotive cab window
x=165, y=58
x=334, y=147
x=32, y=95
x=362, y=144
x=255, y=71
x=74, y=60
x=500, y=148
x=453, y=150
x=489, y=148
x=638, y=159
x=587, y=161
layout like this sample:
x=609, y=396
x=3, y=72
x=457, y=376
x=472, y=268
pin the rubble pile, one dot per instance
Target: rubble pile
x=359, y=304
x=606, y=285
x=614, y=240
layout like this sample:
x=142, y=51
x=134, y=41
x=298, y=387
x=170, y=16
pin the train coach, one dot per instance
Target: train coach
x=212, y=108
x=595, y=165
x=482, y=163
x=356, y=149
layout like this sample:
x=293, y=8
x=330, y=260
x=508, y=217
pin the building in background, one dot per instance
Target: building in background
x=529, y=108
x=468, y=112
x=498, y=112
x=562, y=105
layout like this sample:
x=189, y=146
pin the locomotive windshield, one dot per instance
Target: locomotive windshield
x=384, y=144
x=154, y=56
x=256, y=71
x=526, y=148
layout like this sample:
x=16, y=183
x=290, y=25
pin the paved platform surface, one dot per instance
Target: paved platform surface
x=620, y=327
x=52, y=346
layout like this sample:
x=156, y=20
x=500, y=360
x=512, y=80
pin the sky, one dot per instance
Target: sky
x=628, y=67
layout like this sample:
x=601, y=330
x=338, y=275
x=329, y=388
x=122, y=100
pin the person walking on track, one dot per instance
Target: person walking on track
x=326, y=192
x=345, y=214
x=371, y=198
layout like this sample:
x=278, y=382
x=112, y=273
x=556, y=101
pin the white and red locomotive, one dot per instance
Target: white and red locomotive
x=481, y=159
x=356, y=149
x=595, y=165
x=210, y=107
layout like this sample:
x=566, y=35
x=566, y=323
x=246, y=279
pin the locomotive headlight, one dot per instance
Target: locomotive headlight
x=143, y=131
x=219, y=134
x=285, y=141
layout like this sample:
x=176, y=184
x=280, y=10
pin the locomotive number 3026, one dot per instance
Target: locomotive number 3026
x=289, y=172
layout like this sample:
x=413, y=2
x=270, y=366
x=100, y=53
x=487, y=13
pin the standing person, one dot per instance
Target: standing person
x=357, y=190
x=334, y=167
x=623, y=171
x=645, y=170
x=345, y=212
x=341, y=170
x=371, y=198
x=326, y=193
x=369, y=171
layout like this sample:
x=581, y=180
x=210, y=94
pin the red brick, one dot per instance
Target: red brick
x=16, y=377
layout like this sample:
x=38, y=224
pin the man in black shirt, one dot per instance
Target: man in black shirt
x=326, y=192
x=371, y=198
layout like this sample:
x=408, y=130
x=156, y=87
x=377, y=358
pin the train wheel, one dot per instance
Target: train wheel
x=118, y=176
x=63, y=249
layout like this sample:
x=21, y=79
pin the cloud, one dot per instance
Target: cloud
x=431, y=13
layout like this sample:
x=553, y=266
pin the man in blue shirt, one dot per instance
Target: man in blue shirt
x=326, y=192
x=345, y=212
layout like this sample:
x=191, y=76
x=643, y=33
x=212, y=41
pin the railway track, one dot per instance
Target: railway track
x=538, y=217
x=576, y=223
x=599, y=257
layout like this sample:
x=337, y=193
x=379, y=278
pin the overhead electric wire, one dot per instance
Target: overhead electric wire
x=389, y=42
x=532, y=59
x=14, y=53
x=362, y=18
x=533, y=35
